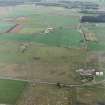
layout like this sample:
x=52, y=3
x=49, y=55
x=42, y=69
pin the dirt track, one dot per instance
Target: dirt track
x=15, y=29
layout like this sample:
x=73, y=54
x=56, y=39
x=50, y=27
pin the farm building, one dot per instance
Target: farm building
x=49, y=29
x=99, y=73
x=87, y=72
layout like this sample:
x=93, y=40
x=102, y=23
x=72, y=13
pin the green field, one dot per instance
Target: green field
x=10, y=91
x=69, y=38
x=45, y=16
x=31, y=30
x=4, y=26
x=62, y=38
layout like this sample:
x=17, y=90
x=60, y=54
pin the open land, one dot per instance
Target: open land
x=45, y=44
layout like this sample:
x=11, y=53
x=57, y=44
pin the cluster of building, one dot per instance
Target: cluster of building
x=89, y=73
x=49, y=29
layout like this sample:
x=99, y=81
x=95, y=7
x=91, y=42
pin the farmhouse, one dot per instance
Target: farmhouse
x=89, y=73
x=49, y=29
x=86, y=72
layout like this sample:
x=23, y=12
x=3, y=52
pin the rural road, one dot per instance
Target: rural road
x=53, y=83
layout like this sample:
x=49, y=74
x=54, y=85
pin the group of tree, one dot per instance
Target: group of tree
x=92, y=12
x=95, y=19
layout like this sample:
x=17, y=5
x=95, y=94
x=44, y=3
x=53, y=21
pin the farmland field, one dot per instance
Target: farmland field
x=31, y=30
x=62, y=37
x=10, y=90
x=40, y=61
x=48, y=95
x=5, y=26
x=59, y=37
x=27, y=52
x=55, y=96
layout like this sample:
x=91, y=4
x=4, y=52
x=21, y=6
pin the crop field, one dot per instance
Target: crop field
x=40, y=62
x=48, y=95
x=10, y=90
x=62, y=37
x=64, y=96
x=31, y=30
x=91, y=95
